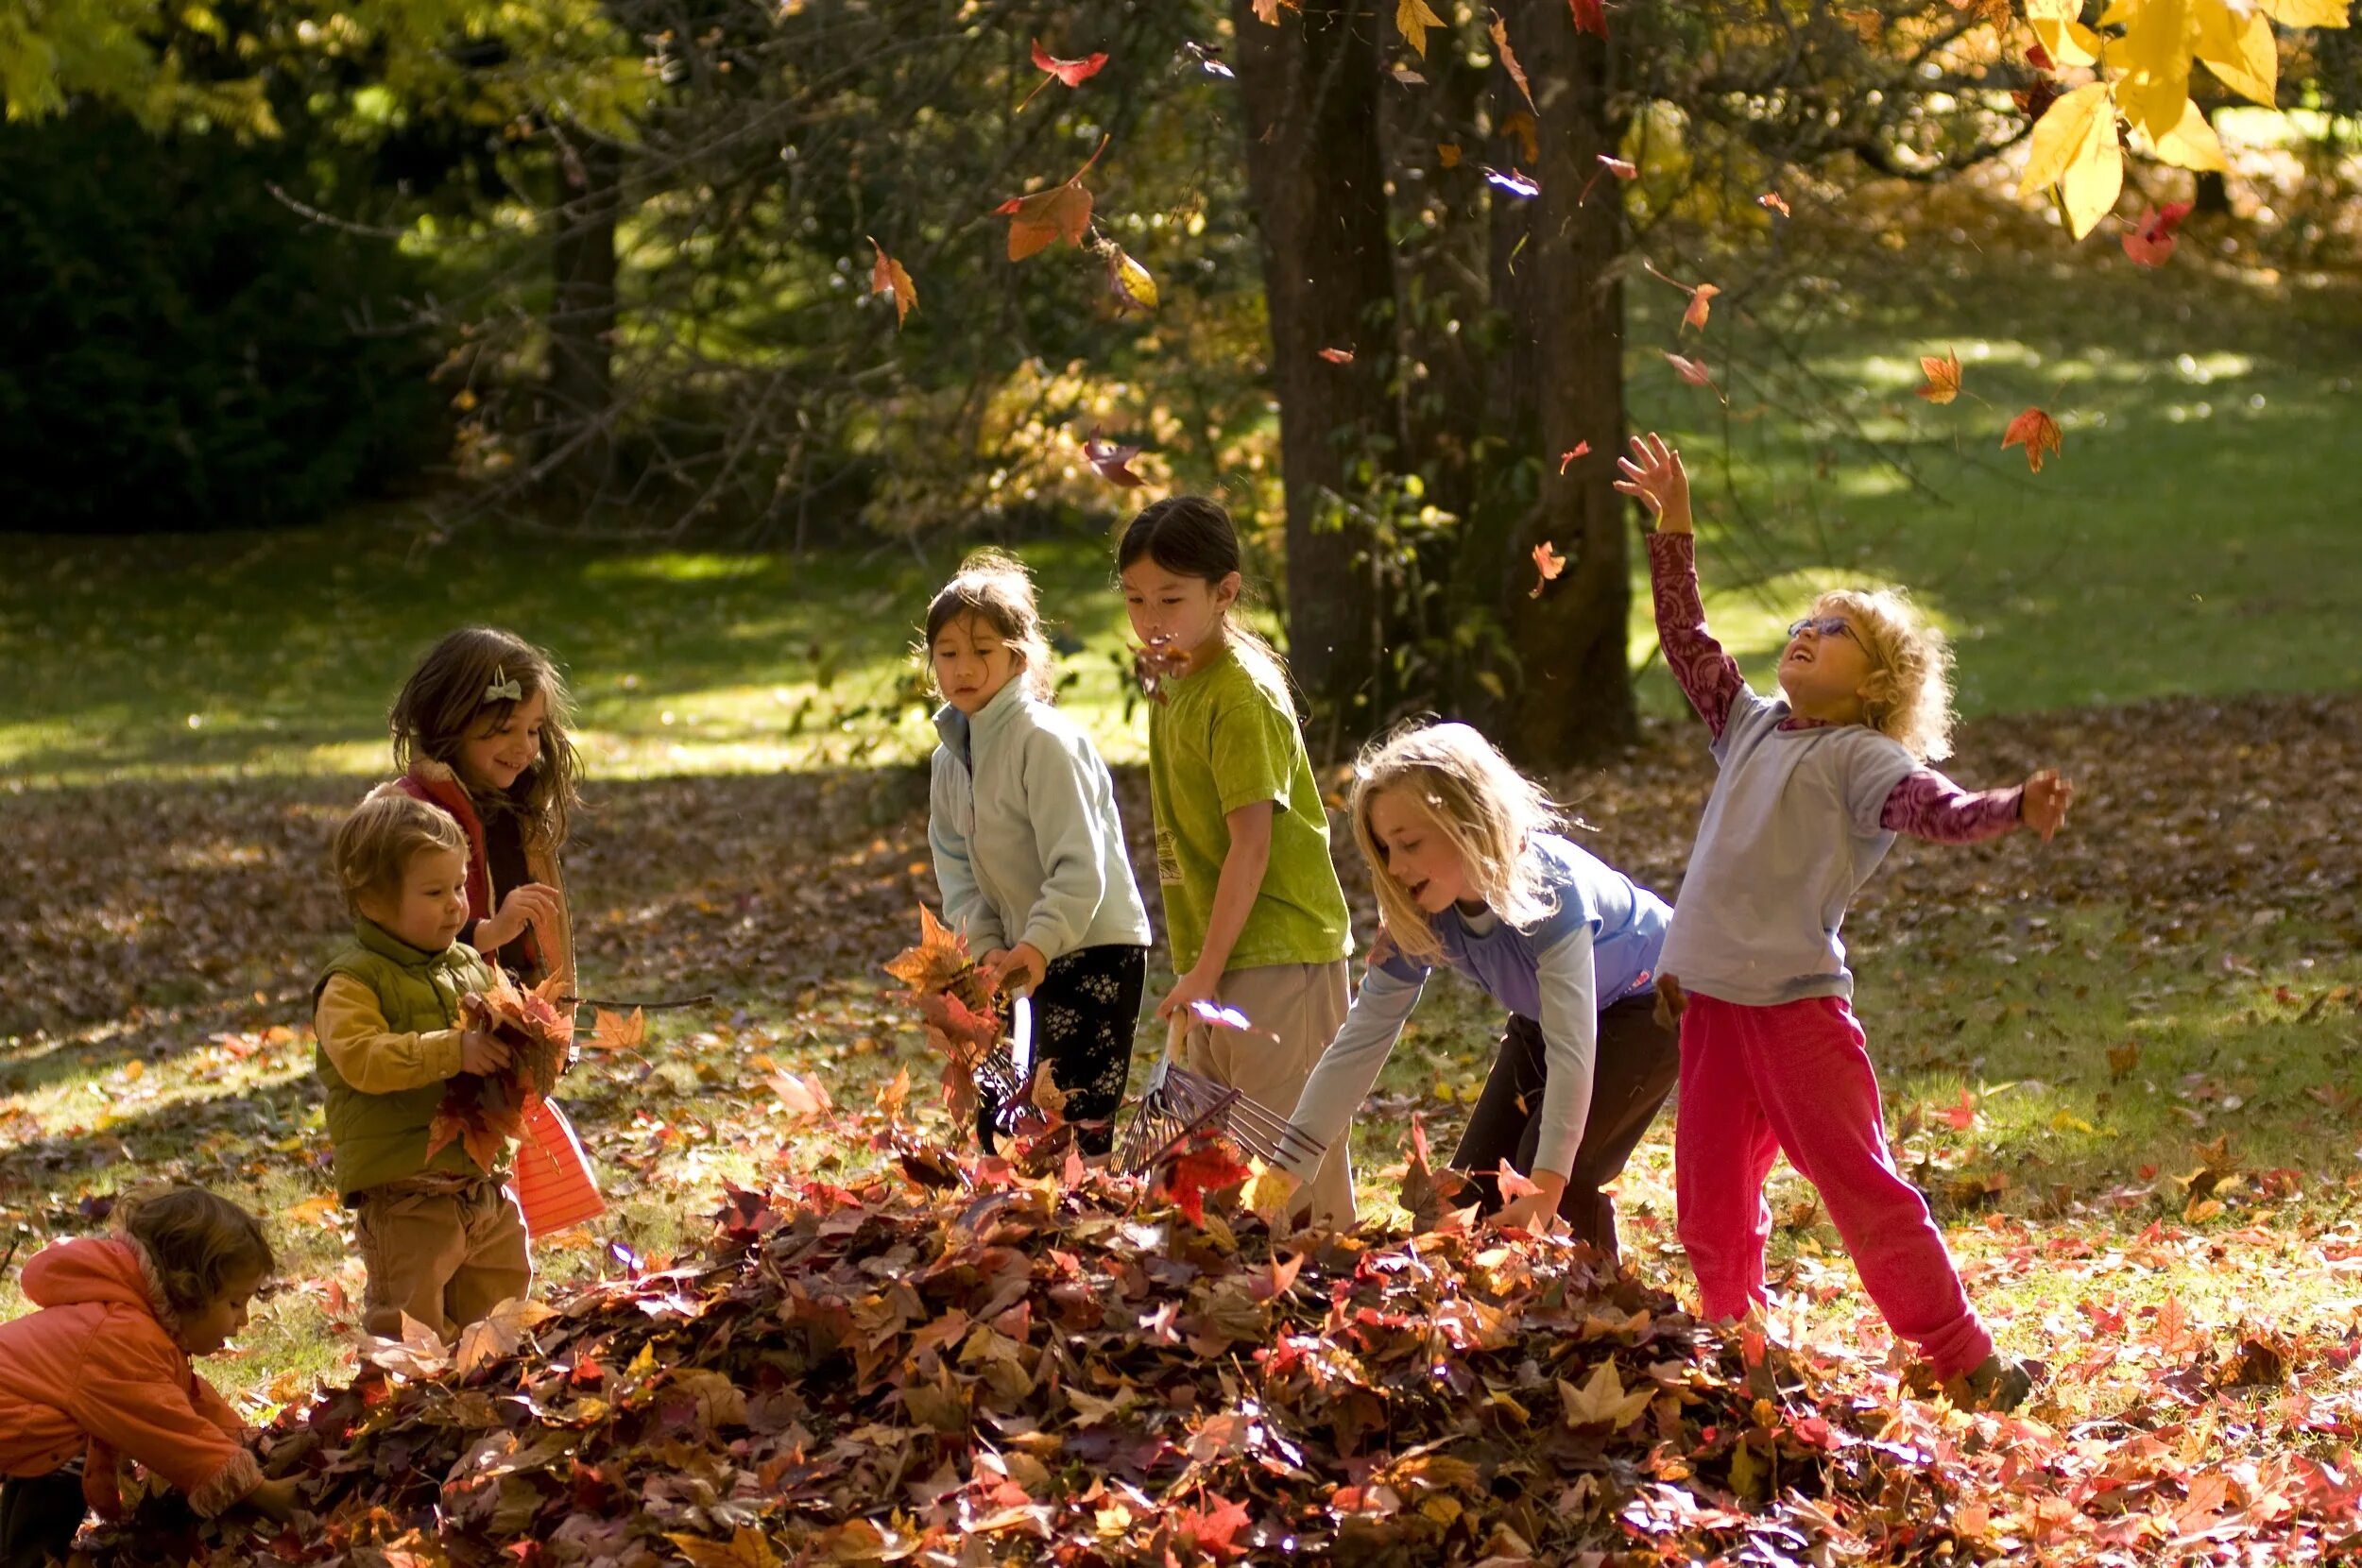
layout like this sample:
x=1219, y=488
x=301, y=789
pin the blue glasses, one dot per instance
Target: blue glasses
x=1827, y=625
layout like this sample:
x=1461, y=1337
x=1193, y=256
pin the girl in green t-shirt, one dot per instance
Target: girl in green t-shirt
x=1252, y=903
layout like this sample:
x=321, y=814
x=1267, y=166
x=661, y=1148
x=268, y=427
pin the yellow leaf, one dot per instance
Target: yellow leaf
x=1602, y=1398
x=2073, y=147
x=2305, y=13
x=1130, y=283
x=2155, y=57
x=2191, y=144
x=2238, y=47
x=2066, y=40
x=1414, y=19
x=745, y=1549
x=2067, y=1121
x=1746, y=1473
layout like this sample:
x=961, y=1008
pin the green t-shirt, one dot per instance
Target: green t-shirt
x=1224, y=739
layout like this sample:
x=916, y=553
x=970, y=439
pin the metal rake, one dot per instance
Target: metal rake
x=1177, y=1105
x=1003, y=1073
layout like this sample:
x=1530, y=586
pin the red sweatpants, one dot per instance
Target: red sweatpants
x=1795, y=1079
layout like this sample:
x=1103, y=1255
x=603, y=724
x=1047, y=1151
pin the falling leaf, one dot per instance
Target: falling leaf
x=887, y=276
x=1448, y=154
x=1580, y=449
x=1208, y=56
x=1550, y=562
x=1412, y=19
x=2037, y=432
x=1220, y=1016
x=1406, y=75
x=2150, y=242
x=1268, y=10
x=1514, y=183
x=1774, y=201
x=1520, y=125
x=1619, y=167
x=1590, y=16
x=1517, y=72
x=1694, y=371
x=1700, y=299
x=1108, y=461
x=1338, y=356
x=1130, y=283
x=1039, y=220
x=1073, y=73
x=1602, y=1399
x=1943, y=377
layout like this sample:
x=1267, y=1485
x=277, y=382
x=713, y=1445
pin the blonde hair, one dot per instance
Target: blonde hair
x=1484, y=809
x=451, y=696
x=1913, y=705
x=197, y=1240
x=374, y=846
x=995, y=590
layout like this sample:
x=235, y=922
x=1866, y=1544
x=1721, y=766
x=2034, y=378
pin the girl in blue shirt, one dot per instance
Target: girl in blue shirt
x=1471, y=876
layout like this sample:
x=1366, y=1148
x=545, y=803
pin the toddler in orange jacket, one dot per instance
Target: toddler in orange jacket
x=102, y=1370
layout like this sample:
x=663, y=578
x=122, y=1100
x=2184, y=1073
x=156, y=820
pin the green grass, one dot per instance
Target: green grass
x=2193, y=536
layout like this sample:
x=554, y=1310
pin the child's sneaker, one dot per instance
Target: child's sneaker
x=1993, y=1384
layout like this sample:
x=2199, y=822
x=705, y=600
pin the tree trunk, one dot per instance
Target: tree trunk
x=1309, y=87
x=582, y=319
x=1560, y=383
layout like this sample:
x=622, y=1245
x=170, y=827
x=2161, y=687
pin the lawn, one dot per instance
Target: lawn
x=2119, y=1064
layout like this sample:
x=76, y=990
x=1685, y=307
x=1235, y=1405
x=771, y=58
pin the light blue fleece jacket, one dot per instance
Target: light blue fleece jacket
x=1028, y=845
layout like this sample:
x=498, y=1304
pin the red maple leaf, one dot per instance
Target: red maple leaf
x=1579, y=450
x=1338, y=356
x=1590, y=16
x=1108, y=461
x=1206, y=1166
x=2150, y=242
x=1214, y=1529
x=2037, y=432
x=1775, y=202
x=1074, y=73
x=1694, y=371
x=1963, y=1116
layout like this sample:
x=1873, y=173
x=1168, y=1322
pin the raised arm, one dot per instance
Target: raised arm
x=1928, y=805
x=1708, y=676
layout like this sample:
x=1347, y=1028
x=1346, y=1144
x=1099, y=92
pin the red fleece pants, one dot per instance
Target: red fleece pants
x=1795, y=1079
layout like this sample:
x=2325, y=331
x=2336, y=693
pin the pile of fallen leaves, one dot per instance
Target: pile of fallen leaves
x=954, y=1364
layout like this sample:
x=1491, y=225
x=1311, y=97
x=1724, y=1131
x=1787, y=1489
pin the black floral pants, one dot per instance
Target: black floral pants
x=1085, y=1010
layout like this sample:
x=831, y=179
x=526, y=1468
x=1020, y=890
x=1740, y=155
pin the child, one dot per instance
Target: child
x=480, y=730
x=1029, y=849
x=1252, y=901
x=440, y=1236
x=1812, y=790
x=1470, y=876
x=102, y=1370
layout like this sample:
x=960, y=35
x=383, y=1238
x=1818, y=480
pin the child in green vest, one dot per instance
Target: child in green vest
x=440, y=1236
x=1252, y=901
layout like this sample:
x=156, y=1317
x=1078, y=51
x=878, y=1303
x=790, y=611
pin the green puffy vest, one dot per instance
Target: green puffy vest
x=380, y=1138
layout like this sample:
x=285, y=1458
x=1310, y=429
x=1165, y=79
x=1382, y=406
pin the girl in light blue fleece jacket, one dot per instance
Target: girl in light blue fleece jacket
x=1029, y=849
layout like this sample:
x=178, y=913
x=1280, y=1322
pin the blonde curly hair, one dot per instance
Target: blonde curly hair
x=1912, y=704
x=1484, y=808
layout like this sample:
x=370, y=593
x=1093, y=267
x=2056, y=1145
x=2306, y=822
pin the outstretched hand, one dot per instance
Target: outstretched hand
x=1659, y=480
x=2044, y=806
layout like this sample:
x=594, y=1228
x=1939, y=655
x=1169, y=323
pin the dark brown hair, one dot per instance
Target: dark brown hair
x=197, y=1240
x=998, y=590
x=373, y=848
x=451, y=696
x=1193, y=537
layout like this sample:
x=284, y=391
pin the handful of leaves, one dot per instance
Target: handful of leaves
x=962, y=1016
x=485, y=1112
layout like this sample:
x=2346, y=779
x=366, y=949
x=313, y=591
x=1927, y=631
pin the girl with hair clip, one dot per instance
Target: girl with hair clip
x=1258, y=920
x=1028, y=844
x=1471, y=875
x=1812, y=787
x=101, y=1372
x=479, y=729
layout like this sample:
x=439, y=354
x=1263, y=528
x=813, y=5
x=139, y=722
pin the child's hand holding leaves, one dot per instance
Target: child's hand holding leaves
x=2044, y=806
x=1659, y=480
x=1018, y=969
x=483, y=1053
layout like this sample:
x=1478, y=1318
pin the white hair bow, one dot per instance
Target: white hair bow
x=504, y=688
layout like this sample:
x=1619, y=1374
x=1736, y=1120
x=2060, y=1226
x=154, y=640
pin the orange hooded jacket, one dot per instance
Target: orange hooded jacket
x=98, y=1369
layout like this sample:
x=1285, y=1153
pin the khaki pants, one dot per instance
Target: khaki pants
x=1304, y=1004
x=445, y=1252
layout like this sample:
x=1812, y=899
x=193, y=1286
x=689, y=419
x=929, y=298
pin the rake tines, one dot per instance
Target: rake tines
x=1176, y=1104
x=1003, y=1074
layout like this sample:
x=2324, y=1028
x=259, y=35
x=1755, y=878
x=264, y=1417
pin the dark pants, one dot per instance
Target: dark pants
x=1636, y=1064
x=39, y=1516
x=1085, y=1010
